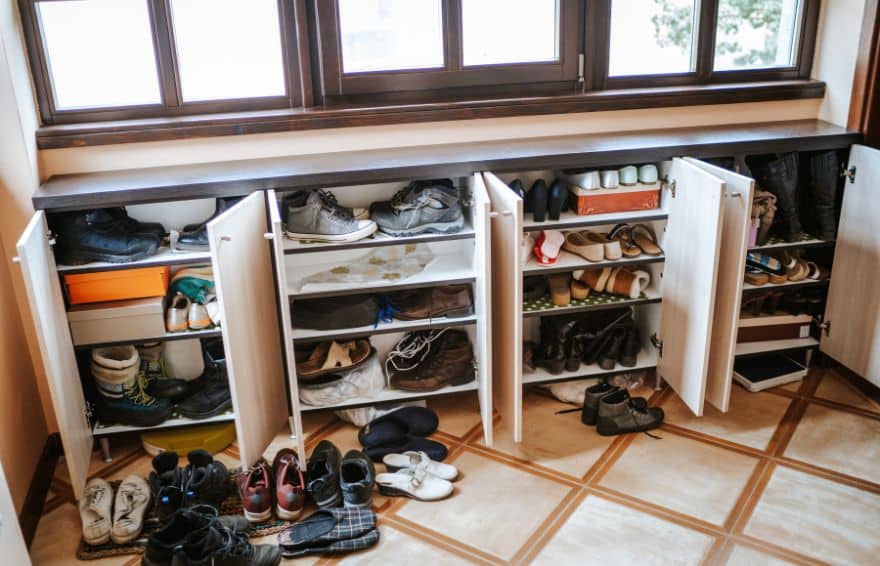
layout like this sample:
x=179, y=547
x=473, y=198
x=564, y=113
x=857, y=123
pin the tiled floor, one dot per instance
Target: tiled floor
x=790, y=476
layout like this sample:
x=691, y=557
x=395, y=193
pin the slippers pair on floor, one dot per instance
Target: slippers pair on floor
x=330, y=531
x=403, y=430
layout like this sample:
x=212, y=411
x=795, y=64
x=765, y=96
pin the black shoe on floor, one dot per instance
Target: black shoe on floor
x=196, y=238
x=219, y=546
x=167, y=484
x=185, y=525
x=592, y=395
x=356, y=479
x=323, y=475
x=207, y=480
x=619, y=414
x=97, y=235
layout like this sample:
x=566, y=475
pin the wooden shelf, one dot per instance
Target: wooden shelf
x=165, y=256
x=570, y=221
x=309, y=335
x=751, y=348
x=595, y=301
x=748, y=287
x=175, y=422
x=568, y=261
x=390, y=395
x=807, y=241
x=647, y=359
x=168, y=336
x=376, y=240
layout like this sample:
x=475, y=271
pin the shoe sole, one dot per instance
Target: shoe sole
x=334, y=238
x=366, y=505
x=179, y=248
x=434, y=228
x=335, y=501
x=212, y=413
x=285, y=515
x=607, y=432
x=393, y=492
x=258, y=517
x=83, y=258
x=451, y=313
x=99, y=541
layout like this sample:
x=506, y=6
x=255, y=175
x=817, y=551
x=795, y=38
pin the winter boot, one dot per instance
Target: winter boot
x=122, y=388
x=780, y=177
x=824, y=178
x=196, y=238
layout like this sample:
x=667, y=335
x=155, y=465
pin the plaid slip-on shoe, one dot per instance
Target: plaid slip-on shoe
x=325, y=527
x=370, y=538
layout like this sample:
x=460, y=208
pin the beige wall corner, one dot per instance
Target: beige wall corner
x=837, y=44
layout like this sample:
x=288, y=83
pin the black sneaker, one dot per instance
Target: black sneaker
x=223, y=547
x=356, y=478
x=166, y=483
x=97, y=235
x=323, y=475
x=196, y=238
x=184, y=525
x=619, y=414
x=207, y=480
x=421, y=207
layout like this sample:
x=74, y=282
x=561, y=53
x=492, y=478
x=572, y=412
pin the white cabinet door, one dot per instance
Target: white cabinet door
x=736, y=210
x=692, y=242
x=56, y=347
x=506, y=233
x=242, y=261
x=853, y=307
x=286, y=322
x=483, y=300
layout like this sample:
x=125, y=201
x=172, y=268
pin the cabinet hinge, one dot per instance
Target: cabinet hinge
x=670, y=185
x=849, y=173
x=88, y=410
x=51, y=238
x=826, y=327
x=657, y=344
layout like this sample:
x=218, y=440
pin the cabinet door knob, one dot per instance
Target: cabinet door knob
x=16, y=259
x=269, y=236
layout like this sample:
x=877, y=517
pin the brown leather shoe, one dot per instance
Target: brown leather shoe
x=290, y=487
x=450, y=361
x=446, y=300
x=255, y=489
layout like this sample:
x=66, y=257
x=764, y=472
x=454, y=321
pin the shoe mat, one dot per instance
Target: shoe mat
x=593, y=299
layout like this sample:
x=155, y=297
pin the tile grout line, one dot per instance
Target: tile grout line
x=548, y=527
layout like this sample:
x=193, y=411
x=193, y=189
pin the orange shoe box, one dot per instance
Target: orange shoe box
x=621, y=199
x=119, y=285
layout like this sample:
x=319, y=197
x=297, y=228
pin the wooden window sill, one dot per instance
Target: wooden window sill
x=160, y=129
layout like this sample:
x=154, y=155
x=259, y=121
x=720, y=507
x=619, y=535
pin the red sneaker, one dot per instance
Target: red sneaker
x=255, y=488
x=290, y=487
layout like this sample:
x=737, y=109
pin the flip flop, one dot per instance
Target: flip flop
x=644, y=237
x=622, y=233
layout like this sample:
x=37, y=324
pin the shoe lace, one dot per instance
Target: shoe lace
x=329, y=200
x=414, y=344
x=397, y=202
x=138, y=392
x=643, y=409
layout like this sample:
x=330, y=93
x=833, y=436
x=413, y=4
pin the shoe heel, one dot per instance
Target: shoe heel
x=572, y=364
x=556, y=200
x=284, y=515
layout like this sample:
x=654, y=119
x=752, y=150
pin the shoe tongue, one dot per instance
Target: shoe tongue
x=164, y=462
x=199, y=458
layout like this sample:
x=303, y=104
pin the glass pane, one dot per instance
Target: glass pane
x=228, y=48
x=494, y=31
x=651, y=37
x=756, y=34
x=388, y=35
x=100, y=53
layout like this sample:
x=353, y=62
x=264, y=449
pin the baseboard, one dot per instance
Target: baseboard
x=32, y=509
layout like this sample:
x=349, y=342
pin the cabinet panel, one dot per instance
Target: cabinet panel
x=692, y=241
x=243, y=275
x=56, y=347
x=506, y=233
x=483, y=300
x=736, y=211
x=853, y=308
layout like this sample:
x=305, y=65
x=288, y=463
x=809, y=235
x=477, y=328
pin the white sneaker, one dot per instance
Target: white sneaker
x=94, y=510
x=213, y=308
x=419, y=461
x=197, y=317
x=418, y=484
x=175, y=316
x=132, y=499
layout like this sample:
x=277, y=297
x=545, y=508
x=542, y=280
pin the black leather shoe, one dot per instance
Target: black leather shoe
x=135, y=226
x=517, y=187
x=356, y=479
x=555, y=346
x=538, y=198
x=824, y=179
x=632, y=345
x=207, y=480
x=211, y=399
x=196, y=239
x=611, y=353
x=556, y=199
x=97, y=235
x=167, y=484
x=323, y=475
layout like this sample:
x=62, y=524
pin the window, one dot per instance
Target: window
x=497, y=32
x=652, y=37
x=755, y=35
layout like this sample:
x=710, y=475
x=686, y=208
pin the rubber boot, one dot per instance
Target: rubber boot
x=780, y=177
x=824, y=178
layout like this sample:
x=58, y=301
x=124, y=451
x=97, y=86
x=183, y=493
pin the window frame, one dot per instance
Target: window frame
x=165, y=52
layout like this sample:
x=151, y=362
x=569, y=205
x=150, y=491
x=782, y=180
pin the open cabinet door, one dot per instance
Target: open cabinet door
x=483, y=300
x=242, y=262
x=736, y=210
x=506, y=233
x=56, y=348
x=852, y=312
x=693, y=238
x=296, y=428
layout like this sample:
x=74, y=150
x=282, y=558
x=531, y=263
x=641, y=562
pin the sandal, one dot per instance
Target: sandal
x=622, y=233
x=560, y=290
x=645, y=238
x=579, y=290
x=756, y=277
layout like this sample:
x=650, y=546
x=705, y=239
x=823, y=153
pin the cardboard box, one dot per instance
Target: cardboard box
x=622, y=199
x=119, y=321
x=117, y=285
x=773, y=327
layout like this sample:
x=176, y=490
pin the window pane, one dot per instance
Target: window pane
x=651, y=37
x=509, y=31
x=752, y=35
x=228, y=48
x=100, y=53
x=387, y=35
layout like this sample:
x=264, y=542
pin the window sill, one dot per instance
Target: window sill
x=160, y=129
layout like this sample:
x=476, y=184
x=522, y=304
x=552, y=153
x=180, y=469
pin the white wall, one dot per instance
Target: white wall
x=837, y=44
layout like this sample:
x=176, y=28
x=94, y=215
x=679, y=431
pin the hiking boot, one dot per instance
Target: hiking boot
x=222, y=547
x=619, y=414
x=445, y=300
x=421, y=207
x=290, y=486
x=206, y=480
x=212, y=399
x=356, y=479
x=166, y=484
x=158, y=383
x=449, y=360
x=98, y=235
x=780, y=177
x=824, y=179
x=186, y=524
x=323, y=475
x=153, y=229
x=316, y=215
x=592, y=395
x=194, y=237
x=122, y=388
x=255, y=489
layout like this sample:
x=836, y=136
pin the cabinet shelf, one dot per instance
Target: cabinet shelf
x=595, y=301
x=570, y=221
x=807, y=241
x=764, y=346
x=376, y=240
x=165, y=256
x=177, y=421
x=647, y=358
x=309, y=335
x=568, y=261
x=748, y=287
x=167, y=337
x=390, y=395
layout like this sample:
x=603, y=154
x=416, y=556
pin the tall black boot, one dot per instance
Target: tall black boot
x=780, y=177
x=195, y=236
x=824, y=178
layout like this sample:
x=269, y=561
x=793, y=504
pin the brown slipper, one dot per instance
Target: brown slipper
x=560, y=291
x=644, y=237
x=579, y=290
x=626, y=282
x=597, y=279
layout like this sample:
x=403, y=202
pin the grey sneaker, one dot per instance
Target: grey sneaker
x=315, y=215
x=420, y=207
x=619, y=413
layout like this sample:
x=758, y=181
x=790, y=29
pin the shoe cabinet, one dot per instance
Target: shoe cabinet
x=458, y=258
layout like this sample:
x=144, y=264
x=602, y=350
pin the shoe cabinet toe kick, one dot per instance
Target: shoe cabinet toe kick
x=681, y=306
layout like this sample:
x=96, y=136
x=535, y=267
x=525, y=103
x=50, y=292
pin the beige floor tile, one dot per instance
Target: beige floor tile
x=487, y=494
x=836, y=388
x=458, y=413
x=839, y=441
x=681, y=474
x=751, y=420
x=396, y=547
x=818, y=518
x=748, y=556
x=615, y=534
x=314, y=421
x=57, y=538
x=559, y=442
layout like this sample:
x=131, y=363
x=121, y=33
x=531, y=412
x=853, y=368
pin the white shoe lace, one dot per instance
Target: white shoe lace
x=414, y=344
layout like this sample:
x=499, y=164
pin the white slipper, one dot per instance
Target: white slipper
x=94, y=510
x=213, y=308
x=550, y=243
x=418, y=484
x=132, y=500
x=418, y=461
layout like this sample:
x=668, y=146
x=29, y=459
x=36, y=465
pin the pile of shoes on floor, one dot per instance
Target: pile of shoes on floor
x=607, y=338
x=147, y=384
x=421, y=207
